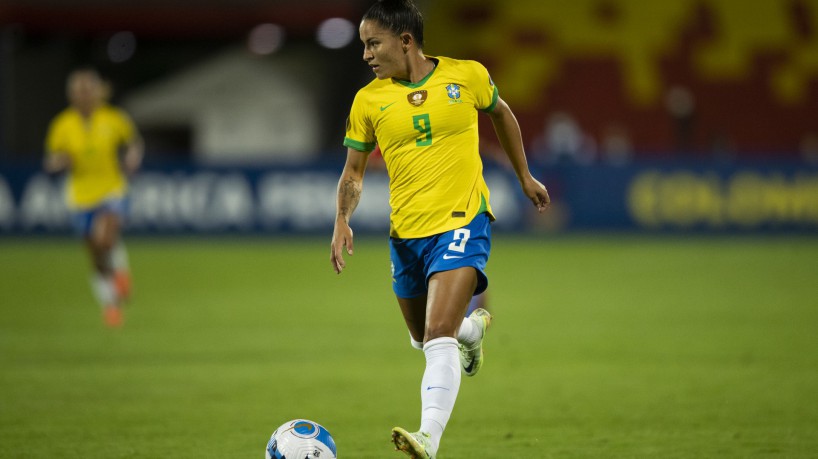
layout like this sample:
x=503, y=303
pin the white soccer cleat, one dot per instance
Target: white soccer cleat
x=471, y=358
x=417, y=445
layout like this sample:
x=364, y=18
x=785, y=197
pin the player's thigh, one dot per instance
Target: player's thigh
x=106, y=229
x=107, y=223
x=448, y=299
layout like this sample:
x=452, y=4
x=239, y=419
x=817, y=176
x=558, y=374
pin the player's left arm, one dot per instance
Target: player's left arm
x=133, y=145
x=134, y=152
x=510, y=137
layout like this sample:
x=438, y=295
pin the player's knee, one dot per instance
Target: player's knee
x=100, y=264
x=439, y=330
x=105, y=244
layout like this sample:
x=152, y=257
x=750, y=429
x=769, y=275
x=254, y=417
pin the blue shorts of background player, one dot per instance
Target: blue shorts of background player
x=415, y=260
x=83, y=221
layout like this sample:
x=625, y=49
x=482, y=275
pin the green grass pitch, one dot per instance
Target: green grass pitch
x=602, y=347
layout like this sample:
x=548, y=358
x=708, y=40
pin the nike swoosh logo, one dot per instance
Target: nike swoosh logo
x=469, y=368
x=384, y=107
x=437, y=387
x=449, y=257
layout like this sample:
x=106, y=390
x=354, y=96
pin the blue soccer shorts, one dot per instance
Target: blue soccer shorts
x=83, y=220
x=415, y=260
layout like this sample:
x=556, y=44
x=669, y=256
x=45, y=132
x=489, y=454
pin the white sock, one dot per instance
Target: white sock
x=469, y=333
x=415, y=344
x=119, y=257
x=439, y=387
x=104, y=290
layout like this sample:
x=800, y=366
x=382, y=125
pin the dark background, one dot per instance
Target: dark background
x=731, y=114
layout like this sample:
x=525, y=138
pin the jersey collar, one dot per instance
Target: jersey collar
x=420, y=83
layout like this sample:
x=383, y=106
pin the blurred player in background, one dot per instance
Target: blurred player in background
x=422, y=112
x=98, y=146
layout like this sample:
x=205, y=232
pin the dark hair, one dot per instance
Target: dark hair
x=398, y=16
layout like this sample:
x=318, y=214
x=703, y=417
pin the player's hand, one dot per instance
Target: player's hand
x=537, y=193
x=132, y=159
x=341, y=239
x=131, y=163
x=57, y=162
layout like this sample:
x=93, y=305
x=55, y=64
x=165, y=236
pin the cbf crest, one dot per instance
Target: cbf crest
x=453, y=91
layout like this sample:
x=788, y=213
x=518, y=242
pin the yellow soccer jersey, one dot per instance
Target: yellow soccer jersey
x=427, y=133
x=93, y=147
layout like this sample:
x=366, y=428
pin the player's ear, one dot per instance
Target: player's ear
x=406, y=40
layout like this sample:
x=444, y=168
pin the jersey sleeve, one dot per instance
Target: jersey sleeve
x=360, y=134
x=485, y=91
x=125, y=126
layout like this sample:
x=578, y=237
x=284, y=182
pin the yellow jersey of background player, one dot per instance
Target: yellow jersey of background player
x=93, y=148
x=406, y=119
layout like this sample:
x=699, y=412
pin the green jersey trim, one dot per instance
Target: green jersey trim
x=484, y=208
x=420, y=83
x=483, y=205
x=494, y=98
x=365, y=147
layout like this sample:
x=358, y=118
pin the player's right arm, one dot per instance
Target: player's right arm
x=56, y=162
x=350, y=186
x=56, y=159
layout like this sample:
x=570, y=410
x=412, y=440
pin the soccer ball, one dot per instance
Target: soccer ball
x=301, y=439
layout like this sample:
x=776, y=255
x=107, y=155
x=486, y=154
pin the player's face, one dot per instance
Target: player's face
x=383, y=51
x=84, y=91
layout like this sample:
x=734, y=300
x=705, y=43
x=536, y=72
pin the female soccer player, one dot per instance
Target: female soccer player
x=85, y=139
x=422, y=112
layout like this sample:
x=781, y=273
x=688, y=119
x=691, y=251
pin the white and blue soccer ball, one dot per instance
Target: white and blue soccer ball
x=301, y=439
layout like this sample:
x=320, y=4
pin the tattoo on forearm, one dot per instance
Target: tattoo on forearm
x=349, y=194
